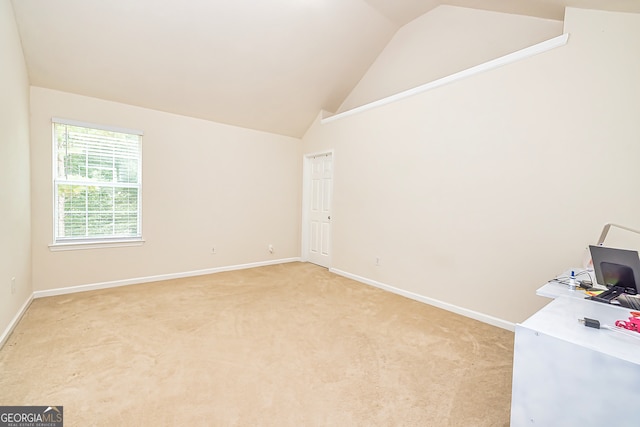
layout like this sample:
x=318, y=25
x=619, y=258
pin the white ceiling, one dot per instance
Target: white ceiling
x=270, y=65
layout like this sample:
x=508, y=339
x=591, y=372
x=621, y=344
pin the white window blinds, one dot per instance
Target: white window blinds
x=97, y=183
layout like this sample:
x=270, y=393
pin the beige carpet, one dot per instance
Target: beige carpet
x=284, y=345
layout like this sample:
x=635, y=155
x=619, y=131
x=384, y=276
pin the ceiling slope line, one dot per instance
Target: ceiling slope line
x=518, y=55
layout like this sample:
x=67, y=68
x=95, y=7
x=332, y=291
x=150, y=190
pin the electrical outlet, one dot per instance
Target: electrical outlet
x=377, y=260
x=270, y=248
x=13, y=285
x=213, y=250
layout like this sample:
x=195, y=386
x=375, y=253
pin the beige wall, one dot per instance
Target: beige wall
x=479, y=191
x=204, y=185
x=444, y=41
x=15, y=223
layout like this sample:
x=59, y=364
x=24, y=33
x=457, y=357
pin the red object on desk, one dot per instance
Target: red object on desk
x=633, y=324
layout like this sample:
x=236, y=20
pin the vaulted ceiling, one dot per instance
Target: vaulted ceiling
x=270, y=65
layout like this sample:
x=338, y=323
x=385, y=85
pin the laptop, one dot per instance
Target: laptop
x=617, y=269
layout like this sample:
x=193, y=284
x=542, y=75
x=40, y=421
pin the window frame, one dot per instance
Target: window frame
x=84, y=242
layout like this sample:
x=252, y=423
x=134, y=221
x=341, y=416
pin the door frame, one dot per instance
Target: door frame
x=306, y=202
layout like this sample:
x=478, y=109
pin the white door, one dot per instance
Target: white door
x=319, y=209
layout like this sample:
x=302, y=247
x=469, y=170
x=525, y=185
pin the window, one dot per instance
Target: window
x=97, y=183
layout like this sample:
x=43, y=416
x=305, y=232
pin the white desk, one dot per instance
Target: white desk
x=565, y=374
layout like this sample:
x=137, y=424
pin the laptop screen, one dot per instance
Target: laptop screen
x=617, y=275
x=616, y=267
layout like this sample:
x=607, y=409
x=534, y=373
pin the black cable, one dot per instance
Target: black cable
x=564, y=279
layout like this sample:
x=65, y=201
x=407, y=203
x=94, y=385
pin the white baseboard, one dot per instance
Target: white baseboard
x=14, y=322
x=434, y=302
x=139, y=280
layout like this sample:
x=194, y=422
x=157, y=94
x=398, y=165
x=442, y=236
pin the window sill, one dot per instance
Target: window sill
x=75, y=246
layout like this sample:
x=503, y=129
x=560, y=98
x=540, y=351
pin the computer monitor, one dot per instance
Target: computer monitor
x=616, y=267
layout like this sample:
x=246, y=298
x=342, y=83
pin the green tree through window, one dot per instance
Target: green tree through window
x=97, y=183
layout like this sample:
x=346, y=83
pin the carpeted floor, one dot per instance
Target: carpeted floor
x=284, y=345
